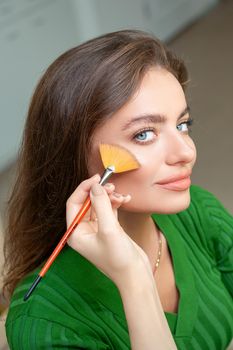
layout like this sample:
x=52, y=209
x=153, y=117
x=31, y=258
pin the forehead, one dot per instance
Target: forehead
x=159, y=93
x=159, y=90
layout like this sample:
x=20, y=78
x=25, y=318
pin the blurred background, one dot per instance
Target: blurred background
x=34, y=32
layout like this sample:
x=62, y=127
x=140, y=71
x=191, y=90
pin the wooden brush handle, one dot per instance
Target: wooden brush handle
x=86, y=205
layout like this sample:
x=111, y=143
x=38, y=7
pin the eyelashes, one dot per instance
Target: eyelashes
x=188, y=123
x=139, y=137
x=148, y=134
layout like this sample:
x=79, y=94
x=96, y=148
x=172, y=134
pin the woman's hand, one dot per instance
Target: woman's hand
x=106, y=245
x=99, y=236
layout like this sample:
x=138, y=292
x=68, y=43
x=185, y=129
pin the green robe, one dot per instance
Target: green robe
x=77, y=307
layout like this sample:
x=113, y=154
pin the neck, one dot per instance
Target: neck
x=141, y=228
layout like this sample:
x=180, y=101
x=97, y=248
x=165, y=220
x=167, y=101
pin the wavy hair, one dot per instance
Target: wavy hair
x=79, y=90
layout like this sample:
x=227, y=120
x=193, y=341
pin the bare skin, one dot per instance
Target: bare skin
x=124, y=241
x=107, y=246
x=172, y=151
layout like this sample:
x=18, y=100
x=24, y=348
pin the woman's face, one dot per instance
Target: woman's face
x=153, y=126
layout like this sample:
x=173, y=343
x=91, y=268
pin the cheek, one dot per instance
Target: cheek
x=132, y=181
x=95, y=164
x=95, y=167
x=139, y=184
x=193, y=146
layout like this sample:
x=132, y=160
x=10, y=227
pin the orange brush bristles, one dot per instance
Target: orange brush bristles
x=119, y=157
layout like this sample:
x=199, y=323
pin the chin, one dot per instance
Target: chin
x=174, y=210
x=175, y=204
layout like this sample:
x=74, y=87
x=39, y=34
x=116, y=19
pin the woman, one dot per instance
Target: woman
x=150, y=267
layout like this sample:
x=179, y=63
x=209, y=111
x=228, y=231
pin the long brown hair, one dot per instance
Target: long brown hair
x=78, y=91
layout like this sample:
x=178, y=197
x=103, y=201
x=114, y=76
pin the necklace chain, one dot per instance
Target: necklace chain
x=159, y=253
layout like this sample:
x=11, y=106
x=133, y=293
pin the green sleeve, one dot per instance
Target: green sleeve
x=219, y=233
x=29, y=333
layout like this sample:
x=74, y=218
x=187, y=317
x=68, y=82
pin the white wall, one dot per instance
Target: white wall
x=162, y=17
x=33, y=33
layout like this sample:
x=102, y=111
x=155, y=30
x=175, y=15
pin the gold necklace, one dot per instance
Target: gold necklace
x=159, y=253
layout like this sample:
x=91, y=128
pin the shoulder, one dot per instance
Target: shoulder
x=206, y=221
x=70, y=302
x=204, y=196
x=54, y=309
x=52, y=300
x=202, y=205
x=208, y=209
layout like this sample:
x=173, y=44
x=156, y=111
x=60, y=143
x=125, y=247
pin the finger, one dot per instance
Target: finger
x=103, y=208
x=82, y=191
x=117, y=201
x=109, y=187
x=77, y=198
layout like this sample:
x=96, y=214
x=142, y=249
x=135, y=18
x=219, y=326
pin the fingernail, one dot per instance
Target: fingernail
x=127, y=197
x=108, y=185
x=118, y=195
x=97, y=189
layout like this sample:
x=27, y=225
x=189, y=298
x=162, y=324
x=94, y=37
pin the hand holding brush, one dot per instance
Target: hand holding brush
x=103, y=241
x=115, y=160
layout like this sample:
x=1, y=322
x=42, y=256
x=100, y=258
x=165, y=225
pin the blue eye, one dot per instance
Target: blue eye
x=144, y=136
x=185, y=126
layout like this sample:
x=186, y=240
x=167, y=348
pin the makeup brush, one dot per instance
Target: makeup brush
x=115, y=160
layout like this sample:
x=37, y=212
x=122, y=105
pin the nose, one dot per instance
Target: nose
x=180, y=148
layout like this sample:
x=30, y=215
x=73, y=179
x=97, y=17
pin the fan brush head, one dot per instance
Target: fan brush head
x=118, y=157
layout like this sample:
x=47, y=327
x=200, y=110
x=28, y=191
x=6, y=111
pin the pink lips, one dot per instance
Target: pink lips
x=179, y=184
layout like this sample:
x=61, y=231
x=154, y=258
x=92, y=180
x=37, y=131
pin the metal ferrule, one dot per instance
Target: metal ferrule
x=106, y=175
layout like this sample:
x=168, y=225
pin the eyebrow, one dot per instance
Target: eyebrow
x=153, y=118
